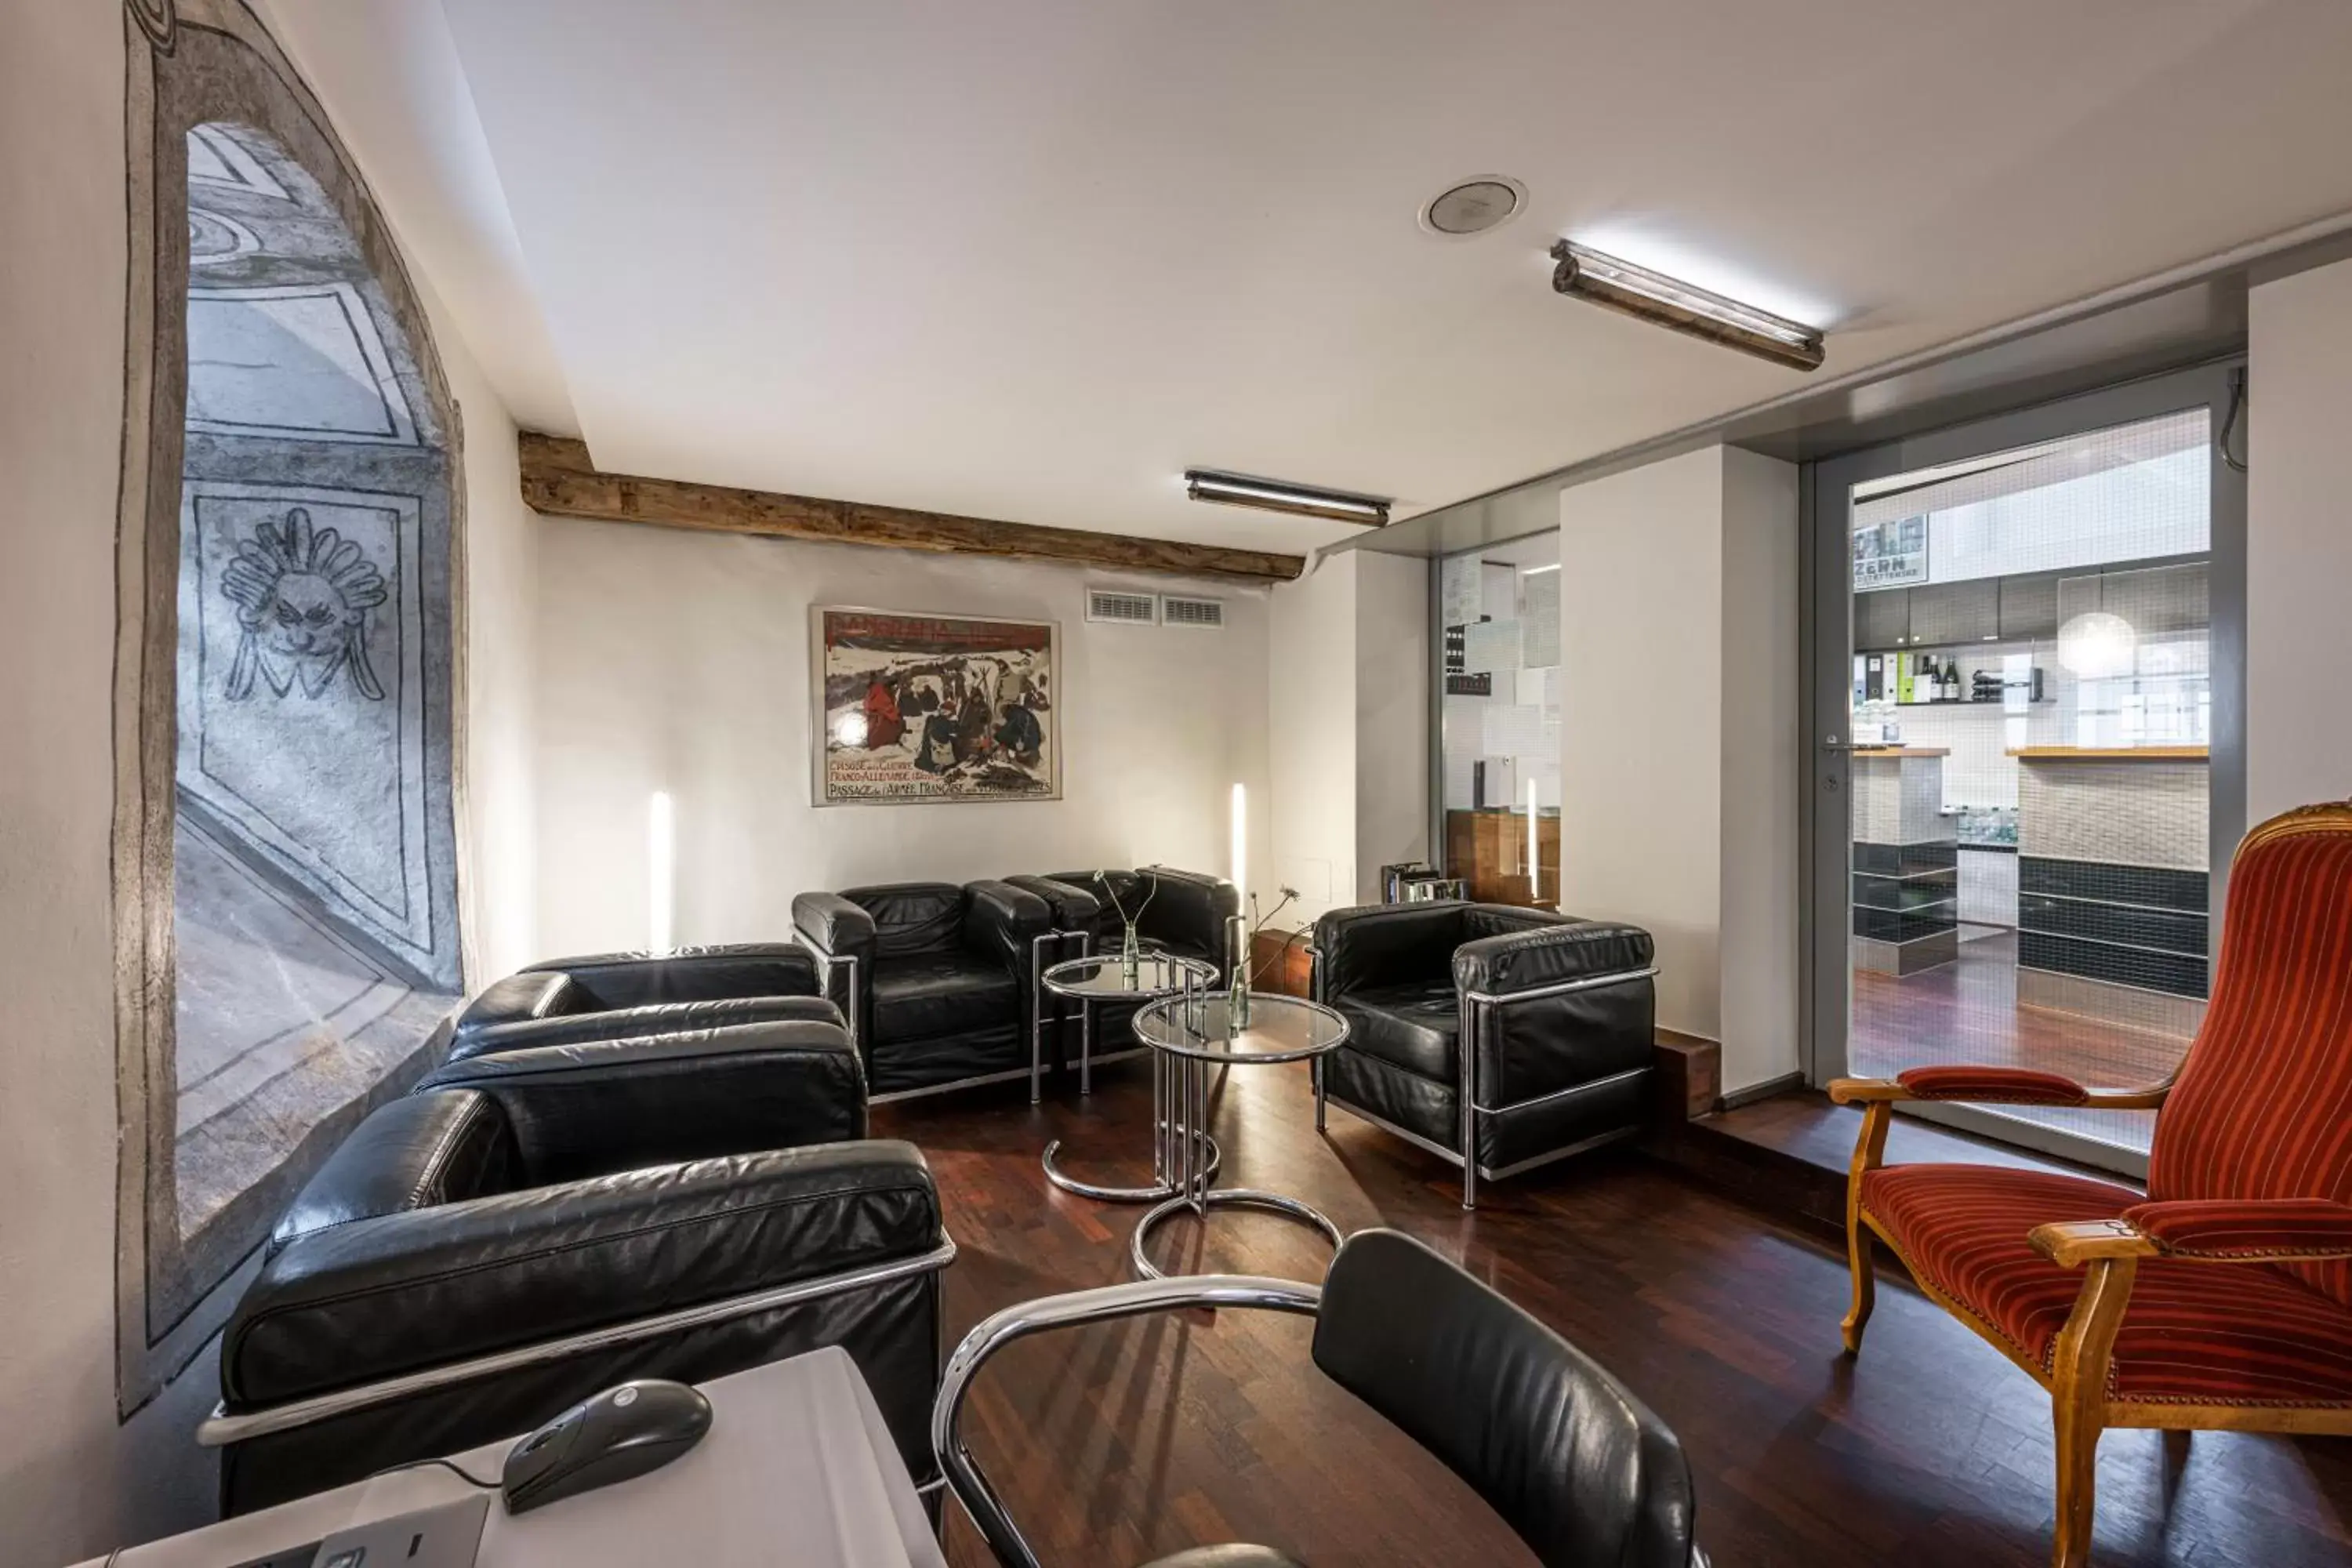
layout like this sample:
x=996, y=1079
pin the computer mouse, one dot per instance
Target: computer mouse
x=623, y=1432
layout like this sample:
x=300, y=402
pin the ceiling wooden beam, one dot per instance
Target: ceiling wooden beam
x=558, y=479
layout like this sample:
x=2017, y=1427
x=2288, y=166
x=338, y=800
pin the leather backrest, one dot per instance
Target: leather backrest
x=1560, y=1450
x=409, y=1153
x=714, y=973
x=2263, y=1102
x=593, y=1106
x=519, y=998
x=912, y=919
x=389, y=1295
x=1190, y=910
x=1387, y=944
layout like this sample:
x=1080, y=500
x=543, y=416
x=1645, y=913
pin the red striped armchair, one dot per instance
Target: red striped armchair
x=2223, y=1297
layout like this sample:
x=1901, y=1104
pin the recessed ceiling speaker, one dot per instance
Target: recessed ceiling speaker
x=1474, y=206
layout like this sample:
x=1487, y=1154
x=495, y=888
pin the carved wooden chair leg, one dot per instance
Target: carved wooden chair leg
x=1868, y=1149
x=2078, y=1394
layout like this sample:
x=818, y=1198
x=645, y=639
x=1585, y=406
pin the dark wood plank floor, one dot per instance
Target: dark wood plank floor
x=1117, y=1444
x=1968, y=1011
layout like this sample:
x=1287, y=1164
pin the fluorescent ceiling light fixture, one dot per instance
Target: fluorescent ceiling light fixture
x=1274, y=495
x=1538, y=571
x=1684, y=307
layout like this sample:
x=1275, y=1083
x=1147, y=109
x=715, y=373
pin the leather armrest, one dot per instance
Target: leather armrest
x=584, y=1108
x=1992, y=1084
x=1554, y=953
x=377, y=1298
x=519, y=998
x=999, y=920
x=690, y=973
x=629, y=1023
x=835, y=925
x=1386, y=945
x=2258, y=1229
x=1075, y=908
x=410, y=1154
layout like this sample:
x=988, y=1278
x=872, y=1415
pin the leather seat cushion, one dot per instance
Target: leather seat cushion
x=1415, y=1025
x=1233, y=1556
x=2192, y=1332
x=941, y=993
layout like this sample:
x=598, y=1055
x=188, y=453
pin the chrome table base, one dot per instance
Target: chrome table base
x=1166, y=1157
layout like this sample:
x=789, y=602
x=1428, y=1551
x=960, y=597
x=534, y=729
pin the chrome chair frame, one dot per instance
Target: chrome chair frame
x=1476, y=1012
x=1108, y=1303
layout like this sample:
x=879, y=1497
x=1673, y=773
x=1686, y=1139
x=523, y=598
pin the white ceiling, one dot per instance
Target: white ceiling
x=1033, y=258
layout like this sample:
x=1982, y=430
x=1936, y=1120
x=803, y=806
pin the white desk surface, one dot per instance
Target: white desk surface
x=798, y=1471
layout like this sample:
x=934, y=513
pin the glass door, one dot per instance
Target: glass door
x=1497, y=624
x=2026, y=654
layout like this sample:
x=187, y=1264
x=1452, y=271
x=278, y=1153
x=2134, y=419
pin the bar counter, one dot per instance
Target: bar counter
x=2114, y=882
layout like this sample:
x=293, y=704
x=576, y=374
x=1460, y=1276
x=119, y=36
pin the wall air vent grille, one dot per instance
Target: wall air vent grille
x=1176, y=612
x=1125, y=609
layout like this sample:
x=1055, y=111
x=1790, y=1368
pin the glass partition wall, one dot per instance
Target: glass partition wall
x=2025, y=790
x=1498, y=647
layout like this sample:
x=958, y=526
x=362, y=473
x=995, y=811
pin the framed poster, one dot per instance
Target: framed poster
x=1890, y=555
x=916, y=708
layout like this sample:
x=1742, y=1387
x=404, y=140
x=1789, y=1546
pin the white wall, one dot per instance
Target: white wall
x=2298, y=541
x=1392, y=740
x=496, y=811
x=677, y=660
x=1641, y=717
x=1678, y=768
x=1760, y=955
x=1347, y=706
x=1310, y=680
x=72, y=1479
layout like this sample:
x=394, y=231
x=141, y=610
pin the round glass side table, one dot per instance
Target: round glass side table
x=1106, y=977
x=1190, y=1035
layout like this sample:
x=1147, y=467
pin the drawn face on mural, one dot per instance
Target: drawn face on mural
x=302, y=595
x=306, y=614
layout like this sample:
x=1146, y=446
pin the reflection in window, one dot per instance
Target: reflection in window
x=1499, y=621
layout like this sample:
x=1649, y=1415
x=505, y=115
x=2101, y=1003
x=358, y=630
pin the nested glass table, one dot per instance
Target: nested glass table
x=1188, y=1034
x=1108, y=977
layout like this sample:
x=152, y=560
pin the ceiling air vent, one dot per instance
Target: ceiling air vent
x=1126, y=609
x=1176, y=612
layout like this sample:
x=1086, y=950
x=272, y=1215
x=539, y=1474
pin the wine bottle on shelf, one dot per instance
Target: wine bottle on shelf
x=1952, y=692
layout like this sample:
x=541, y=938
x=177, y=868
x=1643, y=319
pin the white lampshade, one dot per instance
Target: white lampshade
x=2097, y=645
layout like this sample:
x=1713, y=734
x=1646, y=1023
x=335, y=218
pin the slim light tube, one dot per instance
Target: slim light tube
x=1272, y=495
x=1683, y=306
x=1538, y=571
x=661, y=858
x=1535, y=866
x=1240, y=842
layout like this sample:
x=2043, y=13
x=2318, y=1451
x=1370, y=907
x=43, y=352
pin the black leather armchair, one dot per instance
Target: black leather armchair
x=532, y=1226
x=1565, y=1454
x=619, y=996
x=1496, y=1037
x=1183, y=912
x=934, y=978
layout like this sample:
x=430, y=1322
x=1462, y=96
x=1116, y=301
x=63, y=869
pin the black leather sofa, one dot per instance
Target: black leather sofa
x=1519, y=1036
x=934, y=978
x=618, y=995
x=1183, y=912
x=530, y=1226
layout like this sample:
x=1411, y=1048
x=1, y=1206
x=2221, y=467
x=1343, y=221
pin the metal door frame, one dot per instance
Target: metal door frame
x=1826, y=621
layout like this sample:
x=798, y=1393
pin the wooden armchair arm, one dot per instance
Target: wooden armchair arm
x=2072, y=1242
x=2255, y=1230
x=1993, y=1086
